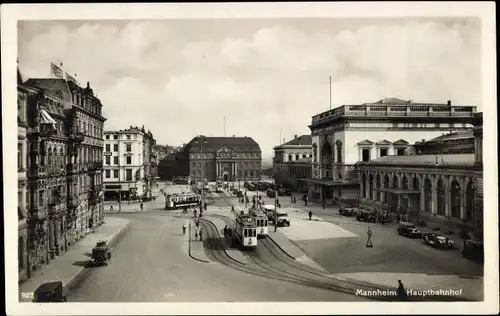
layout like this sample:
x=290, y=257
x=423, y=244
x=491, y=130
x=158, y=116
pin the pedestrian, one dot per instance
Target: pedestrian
x=141, y=206
x=201, y=232
x=291, y=199
x=294, y=200
x=194, y=211
x=401, y=291
x=184, y=230
x=205, y=206
x=305, y=200
x=111, y=208
x=323, y=203
x=310, y=214
x=197, y=223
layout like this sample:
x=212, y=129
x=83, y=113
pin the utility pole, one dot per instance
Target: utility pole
x=119, y=177
x=330, y=93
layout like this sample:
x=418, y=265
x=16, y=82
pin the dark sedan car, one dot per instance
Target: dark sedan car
x=409, y=230
x=438, y=241
x=270, y=193
x=284, y=192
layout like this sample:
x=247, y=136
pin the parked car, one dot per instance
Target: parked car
x=473, y=250
x=271, y=193
x=284, y=192
x=409, y=230
x=366, y=217
x=238, y=193
x=347, y=210
x=437, y=241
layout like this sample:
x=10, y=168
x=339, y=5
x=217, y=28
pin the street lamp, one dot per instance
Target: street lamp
x=200, y=141
x=275, y=208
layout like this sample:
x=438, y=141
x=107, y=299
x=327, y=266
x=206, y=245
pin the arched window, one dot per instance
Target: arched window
x=20, y=252
x=327, y=159
x=416, y=187
x=386, y=186
x=428, y=195
x=455, y=199
x=469, y=202
x=441, y=195
x=377, y=195
x=364, y=186
x=370, y=187
x=395, y=182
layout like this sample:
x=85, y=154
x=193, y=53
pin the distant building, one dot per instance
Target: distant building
x=220, y=158
x=128, y=157
x=351, y=133
x=292, y=162
x=442, y=186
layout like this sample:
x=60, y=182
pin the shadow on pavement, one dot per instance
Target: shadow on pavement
x=88, y=254
x=81, y=263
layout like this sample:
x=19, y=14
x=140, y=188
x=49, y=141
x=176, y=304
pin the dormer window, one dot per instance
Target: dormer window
x=365, y=150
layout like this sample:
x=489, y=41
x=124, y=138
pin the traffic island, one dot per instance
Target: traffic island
x=195, y=246
x=71, y=267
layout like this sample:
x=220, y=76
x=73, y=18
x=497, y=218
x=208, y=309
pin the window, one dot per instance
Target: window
x=383, y=152
x=115, y=136
x=455, y=199
x=19, y=156
x=400, y=151
x=365, y=154
x=304, y=156
x=469, y=202
x=128, y=136
x=108, y=147
x=108, y=174
x=115, y=148
x=289, y=157
x=115, y=160
x=129, y=160
x=107, y=136
x=297, y=157
x=128, y=174
x=108, y=160
x=115, y=173
x=129, y=147
x=40, y=198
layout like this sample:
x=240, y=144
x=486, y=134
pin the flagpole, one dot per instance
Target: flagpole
x=330, y=93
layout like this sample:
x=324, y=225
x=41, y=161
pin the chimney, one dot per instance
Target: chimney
x=295, y=136
x=448, y=102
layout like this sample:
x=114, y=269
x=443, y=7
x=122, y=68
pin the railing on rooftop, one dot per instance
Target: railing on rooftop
x=395, y=110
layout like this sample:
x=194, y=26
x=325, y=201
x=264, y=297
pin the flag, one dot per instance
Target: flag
x=56, y=71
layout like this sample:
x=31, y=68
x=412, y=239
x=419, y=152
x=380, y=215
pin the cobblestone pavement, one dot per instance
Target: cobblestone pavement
x=151, y=264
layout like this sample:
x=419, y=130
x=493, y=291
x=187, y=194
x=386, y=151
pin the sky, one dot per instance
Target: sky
x=267, y=77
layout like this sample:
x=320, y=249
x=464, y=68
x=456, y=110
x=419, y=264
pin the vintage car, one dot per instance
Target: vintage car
x=271, y=193
x=284, y=192
x=100, y=254
x=473, y=250
x=49, y=293
x=347, y=210
x=438, y=241
x=366, y=217
x=408, y=230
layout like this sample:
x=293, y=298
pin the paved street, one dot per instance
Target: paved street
x=341, y=249
x=150, y=264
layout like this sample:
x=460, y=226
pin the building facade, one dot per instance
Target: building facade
x=22, y=178
x=294, y=154
x=438, y=187
x=351, y=133
x=128, y=156
x=64, y=166
x=221, y=158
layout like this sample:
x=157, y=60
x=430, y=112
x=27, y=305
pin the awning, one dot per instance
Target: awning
x=46, y=118
x=398, y=191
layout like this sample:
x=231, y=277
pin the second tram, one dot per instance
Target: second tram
x=176, y=201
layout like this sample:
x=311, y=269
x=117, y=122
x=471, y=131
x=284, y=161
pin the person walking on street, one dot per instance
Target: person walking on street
x=323, y=203
x=305, y=200
x=194, y=212
x=294, y=200
x=201, y=233
x=401, y=291
x=111, y=208
x=196, y=233
x=142, y=206
x=310, y=214
x=184, y=230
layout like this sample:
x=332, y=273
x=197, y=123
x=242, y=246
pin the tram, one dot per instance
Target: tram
x=261, y=222
x=245, y=231
x=176, y=201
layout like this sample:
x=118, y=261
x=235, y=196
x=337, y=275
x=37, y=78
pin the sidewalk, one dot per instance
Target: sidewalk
x=70, y=267
x=196, y=250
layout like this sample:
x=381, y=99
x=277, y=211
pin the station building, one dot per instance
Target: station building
x=343, y=136
x=439, y=182
x=220, y=158
x=292, y=163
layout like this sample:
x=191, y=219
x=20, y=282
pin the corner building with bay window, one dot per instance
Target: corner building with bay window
x=348, y=134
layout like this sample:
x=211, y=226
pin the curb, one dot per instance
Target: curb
x=225, y=250
x=80, y=276
x=189, y=250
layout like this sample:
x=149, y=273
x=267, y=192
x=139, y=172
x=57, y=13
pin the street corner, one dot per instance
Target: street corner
x=309, y=230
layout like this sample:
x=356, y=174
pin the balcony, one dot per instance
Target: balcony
x=38, y=213
x=77, y=137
